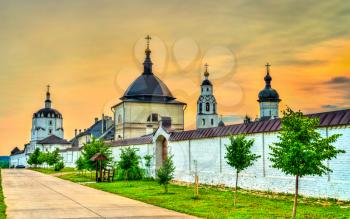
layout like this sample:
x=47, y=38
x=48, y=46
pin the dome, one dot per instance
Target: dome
x=268, y=95
x=148, y=87
x=206, y=82
x=47, y=113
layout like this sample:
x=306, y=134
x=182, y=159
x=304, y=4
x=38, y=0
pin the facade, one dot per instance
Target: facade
x=268, y=98
x=145, y=103
x=206, y=105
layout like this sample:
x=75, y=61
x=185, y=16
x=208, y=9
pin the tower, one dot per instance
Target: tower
x=206, y=105
x=46, y=122
x=268, y=98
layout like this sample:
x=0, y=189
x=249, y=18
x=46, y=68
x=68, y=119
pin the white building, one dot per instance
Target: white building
x=206, y=105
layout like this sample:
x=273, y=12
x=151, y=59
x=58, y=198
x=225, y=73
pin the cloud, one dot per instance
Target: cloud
x=299, y=62
x=340, y=80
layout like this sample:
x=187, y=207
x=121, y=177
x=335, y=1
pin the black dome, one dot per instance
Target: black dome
x=269, y=95
x=206, y=82
x=148, y=87
x=47, y=113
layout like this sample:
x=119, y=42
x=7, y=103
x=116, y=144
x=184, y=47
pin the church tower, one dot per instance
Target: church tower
x=206, y=105
x=46, y=122
x=268, y=98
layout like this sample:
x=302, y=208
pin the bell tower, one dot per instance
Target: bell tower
x=206, y=105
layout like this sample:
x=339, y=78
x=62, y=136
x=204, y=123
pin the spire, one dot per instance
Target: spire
x=268, y=78
x=147, y=64
x=48, y=100
x=206, y=73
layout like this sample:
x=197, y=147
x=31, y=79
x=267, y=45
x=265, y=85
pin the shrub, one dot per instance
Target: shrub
x=59, y=166
x=93, y=147
x=128, y=166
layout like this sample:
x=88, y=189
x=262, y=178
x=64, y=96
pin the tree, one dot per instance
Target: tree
x=148, y=158
x=93, y=147
x=128, y=165
x=53, y=157
x=302, y=150
x=80, y=163
x=42, y=158
x=34, y=158
x=166, y=172
x=239, y=156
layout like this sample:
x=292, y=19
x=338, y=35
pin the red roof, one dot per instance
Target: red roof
x=327, y=119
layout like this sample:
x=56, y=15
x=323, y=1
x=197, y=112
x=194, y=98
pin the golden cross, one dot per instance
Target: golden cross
x=148, y=38
x=48, y=88
x=206, y=66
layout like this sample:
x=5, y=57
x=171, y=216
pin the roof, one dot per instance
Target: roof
x=133, y=141
x=98, y=156
x=206, y=82
x=53, y=139
x=327, y=119
x=47, y=113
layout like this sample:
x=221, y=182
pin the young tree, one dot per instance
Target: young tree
x=34, y=157
x=239, y=156
x=53, y=157
x=128, y=165
x=166, y=173
x=148, y=158
x=42, y=158
x=93, y=147
x=301, y=149
x=80, y=163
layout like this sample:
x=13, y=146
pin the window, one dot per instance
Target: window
x=214, y=108
x=207, y=107
x=50, y=122
x=203, y=121
x=207, y=89
x=212, y=121
x=200, y=107
x=154, y=117
x=50, y=131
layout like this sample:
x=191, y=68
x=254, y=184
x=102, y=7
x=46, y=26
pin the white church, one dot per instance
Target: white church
x=150, y=118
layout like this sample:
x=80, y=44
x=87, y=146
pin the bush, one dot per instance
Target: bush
x=93, y=147
x=59, y=166
x=128, y=166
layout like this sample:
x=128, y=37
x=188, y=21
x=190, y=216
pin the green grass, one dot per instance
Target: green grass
x=216, y=202
x=2, y=202
x=50, y=170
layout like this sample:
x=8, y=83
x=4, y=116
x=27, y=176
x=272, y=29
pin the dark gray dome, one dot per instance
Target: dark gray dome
x=268, y=95
x=47, y=113
x=206, y=82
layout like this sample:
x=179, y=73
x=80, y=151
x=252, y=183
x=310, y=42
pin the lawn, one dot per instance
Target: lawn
x=2, y=203
x=50, y=170
x=216, y=202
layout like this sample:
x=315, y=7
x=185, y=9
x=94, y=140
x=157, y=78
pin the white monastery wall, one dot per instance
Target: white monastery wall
x=209, y=154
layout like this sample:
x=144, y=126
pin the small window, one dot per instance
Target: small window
x=50, y=122
x=200, y=107
x=154, y=117
x=203, y=121
x=50, y=131
x=207, y=107
x=212, y=121
x=207, y=89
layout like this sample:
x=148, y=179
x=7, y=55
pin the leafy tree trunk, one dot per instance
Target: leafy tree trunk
x=166, y=187
x=296, y=195
x=235, y=196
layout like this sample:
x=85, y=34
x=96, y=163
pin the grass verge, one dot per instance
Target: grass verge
x=216, y=202
x=2, y=202
x=50, y=170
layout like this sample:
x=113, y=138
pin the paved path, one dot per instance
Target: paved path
x=30, y=194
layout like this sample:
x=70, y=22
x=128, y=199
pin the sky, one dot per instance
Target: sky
x=89, y=51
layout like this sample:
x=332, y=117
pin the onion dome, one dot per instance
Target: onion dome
x=47, y=112
x=206, y=75
x=268, y=94
x=148, y=87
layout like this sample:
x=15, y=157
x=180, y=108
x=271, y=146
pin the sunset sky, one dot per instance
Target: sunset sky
x=90, y=51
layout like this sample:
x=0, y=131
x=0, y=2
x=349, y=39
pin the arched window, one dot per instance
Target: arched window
x=200, y=107
x=203, y=121
x=50, y=122
x=207, y=89
x=207, y=107
x=212, y=121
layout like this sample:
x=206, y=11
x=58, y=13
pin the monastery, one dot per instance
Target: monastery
x=150, y=118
